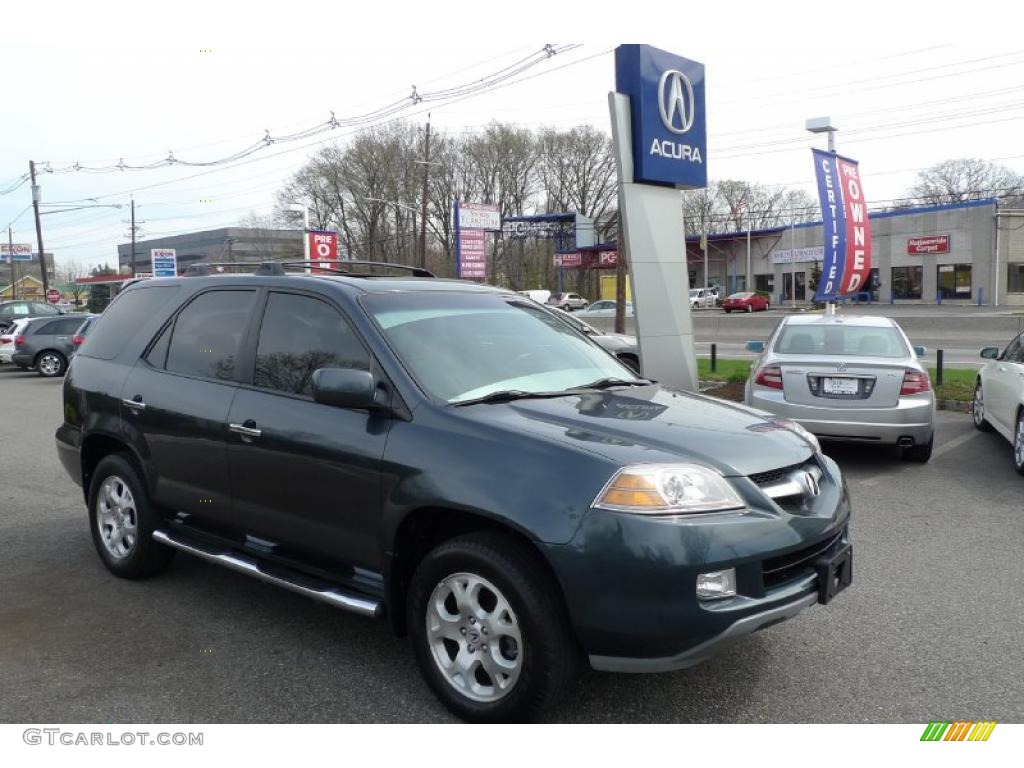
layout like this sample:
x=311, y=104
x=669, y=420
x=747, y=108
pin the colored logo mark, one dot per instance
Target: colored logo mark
x=958, y=730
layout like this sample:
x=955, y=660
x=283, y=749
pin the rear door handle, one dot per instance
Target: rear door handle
x=244, y=431
x=136, y=404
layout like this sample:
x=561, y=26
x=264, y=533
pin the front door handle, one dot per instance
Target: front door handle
x=135, y=404
x=246, y=431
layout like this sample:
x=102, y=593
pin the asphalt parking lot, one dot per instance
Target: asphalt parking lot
x=931, y=628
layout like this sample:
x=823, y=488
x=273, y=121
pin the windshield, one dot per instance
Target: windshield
x=741, y=295
x=694, y=292
x=846, y=340
x=463, y=346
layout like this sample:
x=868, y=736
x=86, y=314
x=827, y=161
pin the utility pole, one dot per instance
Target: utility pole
x=134, y=274
x=10, y=255
x=423, y=209
x=39, y=226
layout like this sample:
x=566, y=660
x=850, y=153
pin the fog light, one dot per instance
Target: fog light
x=717, y=584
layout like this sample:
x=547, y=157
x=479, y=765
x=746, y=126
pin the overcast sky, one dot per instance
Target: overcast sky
x=96, y=82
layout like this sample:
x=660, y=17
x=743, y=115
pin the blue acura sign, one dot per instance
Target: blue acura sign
x=666, y=94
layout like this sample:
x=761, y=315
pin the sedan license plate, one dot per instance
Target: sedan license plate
x=840, y=386
x=835, y=573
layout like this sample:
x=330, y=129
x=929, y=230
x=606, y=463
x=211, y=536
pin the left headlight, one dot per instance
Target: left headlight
x=668, y=489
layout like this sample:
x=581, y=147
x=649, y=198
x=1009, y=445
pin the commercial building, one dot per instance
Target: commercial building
x=224, y=244
x=963, y=252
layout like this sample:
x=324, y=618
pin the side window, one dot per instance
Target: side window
x=124, y=318
x=157, y=356
x=298, y=335
x=207, y=335
x=19, y=310
x=68, y=326
x=44, y=309
x=48, y=329
x=1014, y=352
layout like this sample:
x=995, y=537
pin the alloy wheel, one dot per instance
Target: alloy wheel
x=978, y=408
x=474, y=637
x=1018, y=443
x=117, y=517
x=49, y=364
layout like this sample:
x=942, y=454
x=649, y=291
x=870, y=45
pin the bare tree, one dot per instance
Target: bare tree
x=261, y=238
x=68, y=273
x=957, y=180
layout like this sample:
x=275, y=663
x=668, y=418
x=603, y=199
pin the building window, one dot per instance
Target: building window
x=1015, y=278
x=954, y=281
x=764, y=283
x=906, y=282
x=801, y=286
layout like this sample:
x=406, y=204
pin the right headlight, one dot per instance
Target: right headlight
x=668, y=489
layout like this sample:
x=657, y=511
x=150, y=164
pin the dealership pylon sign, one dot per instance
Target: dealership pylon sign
x=845, y=226
x=658, y=126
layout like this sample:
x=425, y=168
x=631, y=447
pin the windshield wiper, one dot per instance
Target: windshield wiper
x=507, y=395
x=607, y=383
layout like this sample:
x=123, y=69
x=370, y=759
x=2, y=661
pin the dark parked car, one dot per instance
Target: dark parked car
x=622, y=345
x=46, y=344
x=455, y=459
x=18, y=310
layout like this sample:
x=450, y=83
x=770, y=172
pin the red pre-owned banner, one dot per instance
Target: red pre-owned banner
x=323, y=246
x=857, y=267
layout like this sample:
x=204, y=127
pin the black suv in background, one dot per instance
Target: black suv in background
x=455, y=459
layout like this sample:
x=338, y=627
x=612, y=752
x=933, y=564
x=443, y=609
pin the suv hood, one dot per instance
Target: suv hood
x=650, y=424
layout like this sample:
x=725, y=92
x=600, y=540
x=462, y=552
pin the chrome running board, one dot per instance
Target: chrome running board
x=250, y=566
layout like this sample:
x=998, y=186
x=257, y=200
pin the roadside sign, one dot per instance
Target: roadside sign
x=53, y=296
x=479, y=216
x=165, y=262
x=22, y=252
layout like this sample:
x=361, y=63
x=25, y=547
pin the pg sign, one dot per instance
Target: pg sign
x=666, y=94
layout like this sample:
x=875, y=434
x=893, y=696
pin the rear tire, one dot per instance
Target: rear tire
x=50, y=364
x=978, y=410
x=122, y=519
x=566, y=308
x=494, y=591
x=920, y=453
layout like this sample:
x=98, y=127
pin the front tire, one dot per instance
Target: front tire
x=978, y=410
x=566, y=308
x=1018, y=444
x=50, y=364
x=750, y=308
x=488, y=629
x=122, y=519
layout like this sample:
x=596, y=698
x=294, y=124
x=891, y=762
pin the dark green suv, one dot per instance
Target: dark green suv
x=454, y=459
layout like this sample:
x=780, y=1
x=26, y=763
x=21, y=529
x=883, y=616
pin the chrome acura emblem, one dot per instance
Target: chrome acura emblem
x=676, y=101
x=841, y=367
x=811, y=483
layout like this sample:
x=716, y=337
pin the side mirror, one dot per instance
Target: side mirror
x=990, y=353
x=755, y=346
x=920, y=351
x=346, y=388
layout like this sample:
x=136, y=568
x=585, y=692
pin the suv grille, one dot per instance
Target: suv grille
x=773, y=476
x=779, y=570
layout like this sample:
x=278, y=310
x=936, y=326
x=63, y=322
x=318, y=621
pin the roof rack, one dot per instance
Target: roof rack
x=203, y=268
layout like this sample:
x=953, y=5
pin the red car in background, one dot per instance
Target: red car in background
x=745, y=302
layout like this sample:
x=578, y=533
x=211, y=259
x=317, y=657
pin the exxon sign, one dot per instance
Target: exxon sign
x=666, y=94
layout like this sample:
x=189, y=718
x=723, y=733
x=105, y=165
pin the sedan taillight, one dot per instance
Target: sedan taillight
x=769, y=376
x=78, y=339
x=915, y=382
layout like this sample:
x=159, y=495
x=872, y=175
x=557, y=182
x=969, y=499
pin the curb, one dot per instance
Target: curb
x=963, y=406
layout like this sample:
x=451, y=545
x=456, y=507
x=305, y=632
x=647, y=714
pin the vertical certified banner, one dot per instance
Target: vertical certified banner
x=845, y=227
x=323, y=247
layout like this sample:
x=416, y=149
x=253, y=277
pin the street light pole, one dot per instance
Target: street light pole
x=10, y=255
x=39, y=226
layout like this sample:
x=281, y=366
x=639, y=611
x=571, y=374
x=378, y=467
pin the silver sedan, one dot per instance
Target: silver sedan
x=846, y=378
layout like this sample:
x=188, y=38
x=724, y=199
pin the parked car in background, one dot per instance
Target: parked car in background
x=568, y=301
x=83, y=330
x=745, y=301
x=702, y=297
x=46, y=344
x=854, y=378
x=605, y=308
x=622, y=345
x=999, y=396
x=7, y=340
x=24, y=309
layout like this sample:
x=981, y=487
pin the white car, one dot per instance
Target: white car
x=703, y=297
x=999, y=396
x=7, y=339
x=604, y=308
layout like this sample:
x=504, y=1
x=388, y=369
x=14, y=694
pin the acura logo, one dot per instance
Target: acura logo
x=676, y=101
x=811, y=483
x=841, y=367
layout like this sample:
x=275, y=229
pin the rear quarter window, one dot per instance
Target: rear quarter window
x=124, y=318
